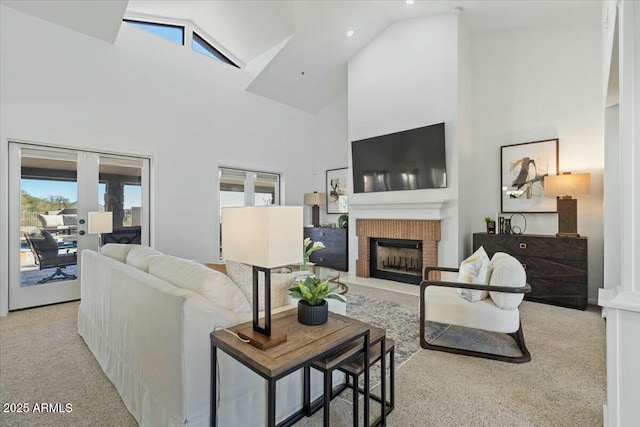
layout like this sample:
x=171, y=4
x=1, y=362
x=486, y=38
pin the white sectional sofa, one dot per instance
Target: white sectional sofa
x=147, y=317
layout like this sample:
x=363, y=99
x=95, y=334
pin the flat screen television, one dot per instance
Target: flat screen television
x=409, y=160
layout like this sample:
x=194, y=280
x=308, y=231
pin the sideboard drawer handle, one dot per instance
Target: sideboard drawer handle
x=523, y=246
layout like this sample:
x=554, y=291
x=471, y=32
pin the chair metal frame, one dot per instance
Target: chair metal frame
x=518, y=336
x=46, y=258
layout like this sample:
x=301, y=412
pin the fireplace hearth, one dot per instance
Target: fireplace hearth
x=396, y=259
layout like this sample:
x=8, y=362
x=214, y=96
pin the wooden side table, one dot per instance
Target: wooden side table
x=304, y=344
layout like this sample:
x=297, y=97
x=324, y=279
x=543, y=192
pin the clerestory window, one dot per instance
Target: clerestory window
x=173, y=33
x=200, y=45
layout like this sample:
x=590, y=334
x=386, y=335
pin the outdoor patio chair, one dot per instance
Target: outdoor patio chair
x=46, y=255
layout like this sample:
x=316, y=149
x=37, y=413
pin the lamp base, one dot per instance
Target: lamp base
x=260, y=340
x=567, y=217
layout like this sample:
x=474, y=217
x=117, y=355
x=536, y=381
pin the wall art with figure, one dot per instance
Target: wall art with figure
x=337, y=191
x=524, y=167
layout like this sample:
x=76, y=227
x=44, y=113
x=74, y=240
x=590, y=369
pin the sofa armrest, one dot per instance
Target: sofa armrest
x=521, y=290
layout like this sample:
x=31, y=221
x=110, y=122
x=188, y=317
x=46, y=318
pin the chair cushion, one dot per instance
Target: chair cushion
x=242, y=275
x=211, y=284
x=508, y=272
x=50, y=221
x=117, y=251
x=443, y=305
x=140, y=257
x=474, y=269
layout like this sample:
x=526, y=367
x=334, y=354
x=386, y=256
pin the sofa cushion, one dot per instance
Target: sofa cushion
x=211, y=284
x=51, y=221
x=242, y=275
x=508, y=272
x=474, y=269
x=140, y=257
x=117, y=251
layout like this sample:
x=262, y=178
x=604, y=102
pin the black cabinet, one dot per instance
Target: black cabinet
x=556, y=266
x=336, y=249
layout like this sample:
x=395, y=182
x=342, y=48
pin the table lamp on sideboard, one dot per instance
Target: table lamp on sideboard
x=314, y=200
x=264, y=237
x=563, y=187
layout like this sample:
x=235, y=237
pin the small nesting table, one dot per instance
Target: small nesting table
x=304, y=344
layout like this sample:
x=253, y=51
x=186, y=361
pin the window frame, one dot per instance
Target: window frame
x=197, y=38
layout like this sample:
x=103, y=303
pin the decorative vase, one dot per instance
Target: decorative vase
x=491, y=227
x=313, y=315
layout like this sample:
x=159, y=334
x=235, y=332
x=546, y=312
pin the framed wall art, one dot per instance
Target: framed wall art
x=523, y=169
x=337, y=190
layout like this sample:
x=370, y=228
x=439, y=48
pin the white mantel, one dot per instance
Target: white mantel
x=396, y=205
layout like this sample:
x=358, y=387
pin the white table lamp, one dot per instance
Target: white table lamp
x=100, y=222
x=264, y=237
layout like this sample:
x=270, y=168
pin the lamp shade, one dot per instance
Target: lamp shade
x=315, y=198
x=263, y=236
x=100, y=222
x=568, y=184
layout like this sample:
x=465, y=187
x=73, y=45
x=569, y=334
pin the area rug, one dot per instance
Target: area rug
x=400, y=322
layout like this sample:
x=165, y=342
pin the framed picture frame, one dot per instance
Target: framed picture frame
x=523, y=168
x=337, y=191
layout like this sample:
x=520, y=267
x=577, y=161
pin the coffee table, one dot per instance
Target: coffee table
x=324, y=273
x=304, y=344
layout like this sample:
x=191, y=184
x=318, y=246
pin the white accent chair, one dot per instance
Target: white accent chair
x=441, y=303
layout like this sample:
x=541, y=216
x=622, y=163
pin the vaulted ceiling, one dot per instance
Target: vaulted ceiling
x=297, y=50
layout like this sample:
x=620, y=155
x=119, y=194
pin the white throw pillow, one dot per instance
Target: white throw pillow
x=211, y=284
x=508, y=272
x=242, y=275
x=474, y=269
x=117, y=251
x=140, y=257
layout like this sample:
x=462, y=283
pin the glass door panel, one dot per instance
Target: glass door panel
x=51, y=192
x=48, y=217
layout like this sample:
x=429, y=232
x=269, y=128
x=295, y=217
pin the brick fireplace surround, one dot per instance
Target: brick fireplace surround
x=428, y=231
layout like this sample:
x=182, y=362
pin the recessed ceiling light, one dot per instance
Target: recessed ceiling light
x=350, y=32
x=409, y=1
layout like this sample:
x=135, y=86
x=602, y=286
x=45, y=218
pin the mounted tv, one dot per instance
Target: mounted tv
x=409, y=160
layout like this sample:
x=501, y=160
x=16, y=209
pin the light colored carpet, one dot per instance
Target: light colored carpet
x=42, y=359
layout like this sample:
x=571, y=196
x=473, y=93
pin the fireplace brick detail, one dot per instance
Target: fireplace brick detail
x=428, y=231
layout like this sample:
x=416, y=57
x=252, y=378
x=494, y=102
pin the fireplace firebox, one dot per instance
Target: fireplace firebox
x=396, y=259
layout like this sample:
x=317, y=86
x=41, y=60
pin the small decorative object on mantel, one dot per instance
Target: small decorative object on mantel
x=518, y=223
x=491, y=225
x=313, y=308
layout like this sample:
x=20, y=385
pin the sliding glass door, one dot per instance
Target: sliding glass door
x=51, y=193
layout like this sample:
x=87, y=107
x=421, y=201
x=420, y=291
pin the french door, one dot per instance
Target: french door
x=51, y=192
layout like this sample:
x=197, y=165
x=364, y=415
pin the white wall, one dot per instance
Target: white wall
x=144, y=95
x=329, y=149
x=535, y=84
x=404, y=79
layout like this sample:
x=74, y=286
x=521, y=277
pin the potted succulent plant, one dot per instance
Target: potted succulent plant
x=491, y=225
x=313, y=308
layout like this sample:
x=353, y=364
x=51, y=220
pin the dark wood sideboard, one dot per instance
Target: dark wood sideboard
x=336, y=247
x=556, y=266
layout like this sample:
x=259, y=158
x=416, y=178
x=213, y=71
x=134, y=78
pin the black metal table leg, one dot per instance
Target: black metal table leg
x=383, y=383
x=328, y=380
x=214, y=388
x=307, y=390
x=366, y=379
x=271, y=403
